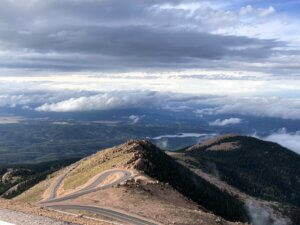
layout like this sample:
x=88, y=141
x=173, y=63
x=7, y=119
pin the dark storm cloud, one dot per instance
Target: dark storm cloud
x=137, y=41
x=105, y=34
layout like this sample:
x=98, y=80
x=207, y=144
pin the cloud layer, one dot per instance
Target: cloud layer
x=285, y=108
x=199, y=104
x=225, y=122
x=288, y=140
x=111, y=35
x=103, y=101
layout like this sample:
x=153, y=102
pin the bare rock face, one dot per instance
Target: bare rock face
x=11, y=176
x=143, y=165
x=14, y=180
x=7, y=176
x=143, y=150
x=139, y=165
x=13, y=189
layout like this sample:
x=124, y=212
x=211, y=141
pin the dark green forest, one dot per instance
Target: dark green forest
x=165, y=169
x=258, y=168
x=24, y=176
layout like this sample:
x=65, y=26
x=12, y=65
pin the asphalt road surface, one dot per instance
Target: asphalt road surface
x=89, y=189
x=58, y=182
x=106, y=212
x=57, y=203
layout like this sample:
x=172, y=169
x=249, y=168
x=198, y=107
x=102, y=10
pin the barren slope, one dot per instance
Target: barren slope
x=160, y=188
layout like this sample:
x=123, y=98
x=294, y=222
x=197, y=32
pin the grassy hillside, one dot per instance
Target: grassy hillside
x=95, y=164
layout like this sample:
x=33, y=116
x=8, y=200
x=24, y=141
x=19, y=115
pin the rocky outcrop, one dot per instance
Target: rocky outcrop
x=15, y=189
x=14, y=175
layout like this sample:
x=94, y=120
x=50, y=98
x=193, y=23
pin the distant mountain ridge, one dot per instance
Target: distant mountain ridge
x=259, y=168
x=250, y=159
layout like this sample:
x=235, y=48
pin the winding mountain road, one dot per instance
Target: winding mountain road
x=54, y=202
x=58, y=182
x=107, y=213
x=88, y=189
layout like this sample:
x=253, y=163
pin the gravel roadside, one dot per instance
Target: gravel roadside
x=35, y=211
x=19, y=218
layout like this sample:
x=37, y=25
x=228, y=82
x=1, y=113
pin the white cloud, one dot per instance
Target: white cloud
x=13, y=100
x=71, y=101
x=226, y=122
x=104, y=101
x=268, y=11
x=285, y=108
x=183, y=135
x=270, y=107
x=245, y=10
x=10, y=119
x=27, y=98
x=288, y=140
x=167, y=91
x=262, y=12
x=96, y=102
x=134, y=118
x=162, y=143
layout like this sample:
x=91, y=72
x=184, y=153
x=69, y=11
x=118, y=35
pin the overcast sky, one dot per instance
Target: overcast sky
x=60, y=36
x=69, y=55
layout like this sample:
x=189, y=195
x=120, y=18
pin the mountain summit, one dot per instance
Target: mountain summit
x=225, y=180
x=137, y=178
